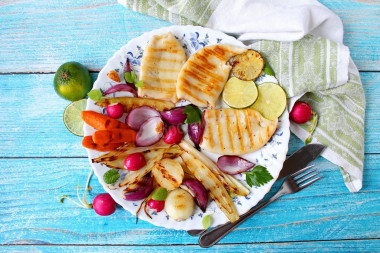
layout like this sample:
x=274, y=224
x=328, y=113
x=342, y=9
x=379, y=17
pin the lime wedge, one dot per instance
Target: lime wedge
x=271, y=102
x=72, y=117
x=239, y=94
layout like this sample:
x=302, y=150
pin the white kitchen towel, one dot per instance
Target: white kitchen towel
x=303, y=42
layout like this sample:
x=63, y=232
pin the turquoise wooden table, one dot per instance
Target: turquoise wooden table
x=40, y=160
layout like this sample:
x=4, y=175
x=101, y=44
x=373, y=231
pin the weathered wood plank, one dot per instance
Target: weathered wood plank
x=40, y=36
x=326, y=246
x=31, y=118
x=30, y=212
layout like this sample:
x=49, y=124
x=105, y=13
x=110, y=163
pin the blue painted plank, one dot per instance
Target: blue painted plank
x=31, y=115
x=30, y=212
x=91, y=31
x=329, y=246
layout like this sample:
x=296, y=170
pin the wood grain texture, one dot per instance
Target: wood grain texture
x=41, y=35
x=31, y=126
x=31, y=213
x=40, y=160
x=325, y=246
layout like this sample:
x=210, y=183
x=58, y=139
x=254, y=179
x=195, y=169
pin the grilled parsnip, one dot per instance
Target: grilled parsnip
x=212, y=184
x=115, y=159
x=130, y=103
x=233, y=186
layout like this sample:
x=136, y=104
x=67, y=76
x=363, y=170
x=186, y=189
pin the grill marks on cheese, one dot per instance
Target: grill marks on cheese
x=162, y=60
x=235, y=132
x=205, y=73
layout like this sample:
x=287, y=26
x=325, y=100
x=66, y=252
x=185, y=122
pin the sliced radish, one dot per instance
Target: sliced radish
x=150, y=132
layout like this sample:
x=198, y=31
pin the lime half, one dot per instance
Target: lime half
x=271, y=102
x=72, y=117
x=239, y=94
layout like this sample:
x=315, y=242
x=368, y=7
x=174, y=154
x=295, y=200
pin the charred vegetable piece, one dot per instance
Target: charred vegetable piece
x=211, y=182
x=168, y=173
x=150, y=132
x=130, y=103
x=248, y=66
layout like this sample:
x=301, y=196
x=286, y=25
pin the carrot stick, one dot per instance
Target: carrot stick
x=114, y=136
x=88, y=143
x=101, y=122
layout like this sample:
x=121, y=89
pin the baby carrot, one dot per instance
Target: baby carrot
x=101, y=122
x=88, y=143
x=114, y=136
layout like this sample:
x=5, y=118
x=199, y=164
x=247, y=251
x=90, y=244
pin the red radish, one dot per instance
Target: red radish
x=115, y=110
x=134, y=161
x=301, y=112
x=104, y=204
x=157, y=205
x=174, y=135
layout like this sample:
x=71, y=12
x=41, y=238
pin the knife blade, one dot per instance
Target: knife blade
x=293, y=163
x=300, y=159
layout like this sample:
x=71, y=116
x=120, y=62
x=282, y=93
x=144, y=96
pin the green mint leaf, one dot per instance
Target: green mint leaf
x=194, y=114
x=95, y=95
x=160, y=194
x=111, y=176
x=139, y=83
x=268, y=70
x=206, y=221
x=258, y=176
x=130, y=77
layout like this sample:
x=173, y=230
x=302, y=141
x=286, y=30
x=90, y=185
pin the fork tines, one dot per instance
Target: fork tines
x=307, y=178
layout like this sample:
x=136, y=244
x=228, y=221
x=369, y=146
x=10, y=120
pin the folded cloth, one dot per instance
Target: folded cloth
x=303, y=42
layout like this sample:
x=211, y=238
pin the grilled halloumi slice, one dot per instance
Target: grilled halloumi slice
x=235, y=132
x=161, y=63
x=205, y=73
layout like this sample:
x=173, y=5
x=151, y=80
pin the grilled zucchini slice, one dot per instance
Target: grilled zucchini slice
x=248, y=66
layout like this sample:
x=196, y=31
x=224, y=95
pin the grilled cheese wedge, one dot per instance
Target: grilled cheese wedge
x=205, y=73
x=161, y=63
x=235, y=132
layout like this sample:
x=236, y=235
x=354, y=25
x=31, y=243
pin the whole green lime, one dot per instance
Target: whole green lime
x=72, y=81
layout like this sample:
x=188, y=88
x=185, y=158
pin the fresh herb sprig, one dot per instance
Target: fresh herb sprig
x=258, y=176
x=130, y=76
x=194, y=114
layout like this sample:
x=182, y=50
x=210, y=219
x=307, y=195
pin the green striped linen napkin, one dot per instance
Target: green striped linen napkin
x=302, y=41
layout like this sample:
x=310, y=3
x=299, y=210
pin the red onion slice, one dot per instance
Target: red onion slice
x=139, y=115
x=141, y=190
x=150, y=132
x=195, y=132
x=232, y=164
x=198, y=191
x=122, y=87
x=174, y=116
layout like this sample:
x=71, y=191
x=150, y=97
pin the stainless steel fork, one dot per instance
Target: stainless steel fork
x=292, y=184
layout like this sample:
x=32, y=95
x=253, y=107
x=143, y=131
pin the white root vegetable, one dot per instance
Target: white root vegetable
x=233, y=186
x=168, y=173
x=115, y=159
x=212, y=184
x=179, y=204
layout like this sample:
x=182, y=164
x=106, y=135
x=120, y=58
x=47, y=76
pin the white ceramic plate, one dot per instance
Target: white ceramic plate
x=272, y=155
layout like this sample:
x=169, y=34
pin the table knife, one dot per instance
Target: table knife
x=293, y=163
